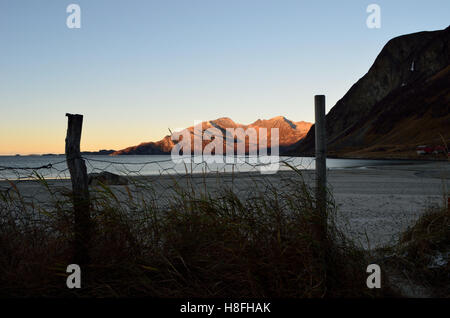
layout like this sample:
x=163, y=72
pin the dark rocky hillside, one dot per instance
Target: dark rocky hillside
x=403, y=101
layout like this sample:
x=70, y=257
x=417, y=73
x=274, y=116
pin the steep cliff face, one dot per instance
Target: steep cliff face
x=389, y=94
x=412, y=115
x=289, y=133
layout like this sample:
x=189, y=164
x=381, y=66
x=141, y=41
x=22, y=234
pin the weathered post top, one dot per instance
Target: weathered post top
x=73, y=137
x=319, y=104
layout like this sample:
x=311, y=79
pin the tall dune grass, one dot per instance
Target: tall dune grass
x=198, y=244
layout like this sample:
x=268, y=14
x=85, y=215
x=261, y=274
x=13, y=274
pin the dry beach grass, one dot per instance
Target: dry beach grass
x=190, y=241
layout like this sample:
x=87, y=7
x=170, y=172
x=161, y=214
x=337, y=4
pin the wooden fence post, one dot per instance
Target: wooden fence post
x=321, y=169
x=80, y=190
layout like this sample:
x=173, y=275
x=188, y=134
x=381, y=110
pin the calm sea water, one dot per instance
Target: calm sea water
x=156, y=165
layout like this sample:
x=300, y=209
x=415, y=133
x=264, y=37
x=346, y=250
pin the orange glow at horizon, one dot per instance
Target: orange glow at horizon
x=26, y=140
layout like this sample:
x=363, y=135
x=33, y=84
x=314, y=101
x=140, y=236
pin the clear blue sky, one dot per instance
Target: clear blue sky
x=139, y=67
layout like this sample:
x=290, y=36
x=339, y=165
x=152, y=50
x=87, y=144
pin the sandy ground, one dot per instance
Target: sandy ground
x=374, y=204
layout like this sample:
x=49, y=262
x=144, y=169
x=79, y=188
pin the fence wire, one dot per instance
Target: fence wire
x=133, y=182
